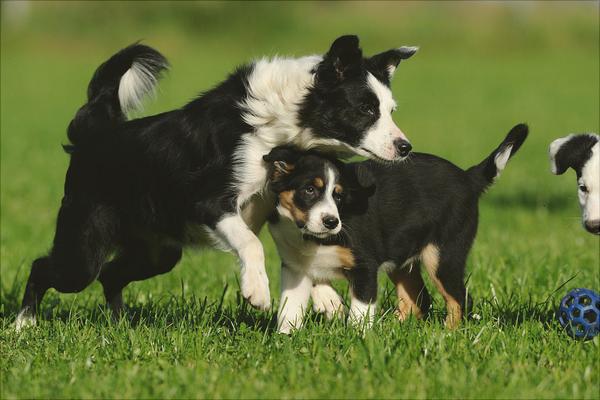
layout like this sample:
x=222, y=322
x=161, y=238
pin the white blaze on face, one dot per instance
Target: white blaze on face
x=379, y=139
x=325, y=207
x=590, y=179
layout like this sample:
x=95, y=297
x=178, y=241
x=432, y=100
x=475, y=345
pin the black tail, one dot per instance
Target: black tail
x=117, y=87
x=484, y=173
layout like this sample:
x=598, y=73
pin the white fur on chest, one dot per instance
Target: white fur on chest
x=321, y=263
x=276, y=88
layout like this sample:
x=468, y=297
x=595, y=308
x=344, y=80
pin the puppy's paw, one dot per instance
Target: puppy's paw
x=255, y=288
x=24, y=320
x=285, y=328
x=362, y=315
x=327, y=301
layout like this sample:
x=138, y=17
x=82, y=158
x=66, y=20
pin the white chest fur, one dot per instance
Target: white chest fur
x=319, y=262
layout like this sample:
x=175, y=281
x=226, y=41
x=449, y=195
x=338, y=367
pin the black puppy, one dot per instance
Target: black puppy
x=425, y=209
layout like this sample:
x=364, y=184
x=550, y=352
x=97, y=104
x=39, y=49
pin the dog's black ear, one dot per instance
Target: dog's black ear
x=571, y=152
x=342, y=60
x=281, y=161
x=387, y=62
x=359, y=186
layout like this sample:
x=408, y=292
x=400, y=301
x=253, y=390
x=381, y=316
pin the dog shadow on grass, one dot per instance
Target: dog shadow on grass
x=169, y=310
x=192, y=313
x=529, y=200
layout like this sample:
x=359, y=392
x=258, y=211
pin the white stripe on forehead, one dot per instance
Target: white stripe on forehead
x=330, y=174
x=383, y=93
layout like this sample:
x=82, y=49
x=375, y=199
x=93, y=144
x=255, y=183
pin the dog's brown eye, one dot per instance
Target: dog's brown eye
x=310, y=190
x=337, y=197
x=366, y=109
x=583, y=188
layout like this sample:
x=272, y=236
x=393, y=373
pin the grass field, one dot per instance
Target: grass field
x=481, y=69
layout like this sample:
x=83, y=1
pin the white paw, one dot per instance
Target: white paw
x=362, y=315
x=326, y=300
x=285, y=328
x=255, y=288
x=24, y=320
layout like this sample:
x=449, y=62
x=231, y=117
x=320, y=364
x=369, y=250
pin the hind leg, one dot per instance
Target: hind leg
x=413, y=297
x=447, y=273
x=137, y=261
x=82, y=243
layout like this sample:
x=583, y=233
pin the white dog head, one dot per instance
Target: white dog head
x=582, y=153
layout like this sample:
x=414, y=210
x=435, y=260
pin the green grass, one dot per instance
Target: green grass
x=481, y=69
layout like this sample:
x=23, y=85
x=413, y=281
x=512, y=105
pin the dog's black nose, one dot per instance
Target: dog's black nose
x=330, y=221
x=402, y=147
x=593, y=226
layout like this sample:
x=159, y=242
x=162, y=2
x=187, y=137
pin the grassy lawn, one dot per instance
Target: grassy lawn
x=481, y=69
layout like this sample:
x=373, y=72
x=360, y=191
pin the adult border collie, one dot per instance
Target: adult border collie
x=141, y=189
x=582, y=153
x=423, y=211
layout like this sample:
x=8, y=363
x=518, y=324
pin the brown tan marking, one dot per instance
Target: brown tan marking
x=430, y=256
x=345, y=256
x=280, y=169
x=338, y=188
x=318, y=182
x=411, y=291
x=286, y=199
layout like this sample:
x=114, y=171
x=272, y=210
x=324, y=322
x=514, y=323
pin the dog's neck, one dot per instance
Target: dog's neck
x=276, y=89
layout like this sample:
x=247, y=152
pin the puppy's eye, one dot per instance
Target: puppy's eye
x=310, y=190
x=366, y=109
x=337, y=197
x=583, y=188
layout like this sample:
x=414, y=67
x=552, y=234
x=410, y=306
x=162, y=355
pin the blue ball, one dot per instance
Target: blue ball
x=579, y=313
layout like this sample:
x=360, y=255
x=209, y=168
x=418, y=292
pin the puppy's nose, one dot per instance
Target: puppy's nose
x=330, y=221
x=402, y=147
x=593, y=226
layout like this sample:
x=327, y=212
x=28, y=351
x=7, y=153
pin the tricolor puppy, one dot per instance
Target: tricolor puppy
x=582, y=153
x=394, y=218
x=144, y=188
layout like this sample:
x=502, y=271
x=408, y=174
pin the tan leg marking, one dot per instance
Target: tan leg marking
x=410, y=289
x=430, y=256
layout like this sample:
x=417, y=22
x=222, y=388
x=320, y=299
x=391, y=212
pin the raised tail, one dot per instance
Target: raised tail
x=485, y=173
x=117, y=88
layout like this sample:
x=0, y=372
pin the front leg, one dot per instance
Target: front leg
x=295, y=291
x=326, y=300
x=254, y=281
x=363, y=294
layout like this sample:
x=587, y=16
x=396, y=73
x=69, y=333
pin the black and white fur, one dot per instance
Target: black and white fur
x=395, y=217
x=144, y=188
x=582, y=153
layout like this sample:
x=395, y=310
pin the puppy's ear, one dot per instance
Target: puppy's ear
x=342, y=60
x=386, y=62
x=281, y=161
x=570, y=152
x=359, y=186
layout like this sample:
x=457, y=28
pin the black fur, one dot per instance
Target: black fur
x=391, y=212
x=341, y=106
x=574, y=153
x=133, y=187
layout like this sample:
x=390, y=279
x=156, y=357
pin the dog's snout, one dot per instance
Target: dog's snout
x=402, y=147
x=593, y=226
x=330, y=221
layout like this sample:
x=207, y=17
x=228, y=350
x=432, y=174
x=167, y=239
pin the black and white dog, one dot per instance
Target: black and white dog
x=582, y=153
x=143, y=188
x=393, y=217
